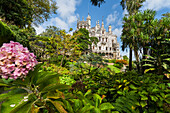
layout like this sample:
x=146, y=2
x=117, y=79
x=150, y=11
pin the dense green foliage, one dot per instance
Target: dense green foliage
x=69, y=81
x=6, y=33
x=25, y=12
x=84, y=40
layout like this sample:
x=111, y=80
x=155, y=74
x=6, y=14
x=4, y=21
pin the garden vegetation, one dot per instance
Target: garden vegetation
x=50, y=72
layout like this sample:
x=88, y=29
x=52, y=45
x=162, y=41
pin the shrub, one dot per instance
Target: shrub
x=118, y=65
x=122, y=61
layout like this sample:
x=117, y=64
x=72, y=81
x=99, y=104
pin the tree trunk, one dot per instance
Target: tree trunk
x=130, y=59
x=62, y=59
x=137, y=58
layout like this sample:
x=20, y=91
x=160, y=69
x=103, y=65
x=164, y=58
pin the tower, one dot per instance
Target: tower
x=110, y=29
x=89, y=20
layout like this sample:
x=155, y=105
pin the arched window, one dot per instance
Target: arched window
x=99, y=38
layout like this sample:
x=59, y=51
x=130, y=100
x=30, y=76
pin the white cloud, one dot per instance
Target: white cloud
x=119, y=22
x=67, y=9
x=39, y=29
x=117, y=31
x=125, y=12
x=66, y=16
x=115, y=5
x=61, y=24
x=156, y=4
x=111, y=18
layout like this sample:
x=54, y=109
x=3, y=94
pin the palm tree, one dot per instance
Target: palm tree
x=132, y=7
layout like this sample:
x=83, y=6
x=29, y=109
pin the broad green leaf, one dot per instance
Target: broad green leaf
x=154, y=98
x=120, y=92
x=155, y=90
x=168, y=59
x=97, y=110
x=150, y=69
x=46, y=76
x=143, y=103
x=132, y=86
x=106, y=106
x=150, y=65
x=87, y=93
x=58, y=106
x=167, y=96
x=34, y=75
x=24, y=107
x=12, y=98
x=98, y=99
x=86, y=108
x=3, y=84
x=53, y=87
x=68, y=106
x=144, y=97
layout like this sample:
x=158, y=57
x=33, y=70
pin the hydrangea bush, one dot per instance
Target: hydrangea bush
x=15, y=61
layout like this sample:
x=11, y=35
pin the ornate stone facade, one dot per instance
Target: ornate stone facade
x=107, y=44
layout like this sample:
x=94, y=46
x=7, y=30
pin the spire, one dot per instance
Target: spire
x=89, y=20
x=98, y=24
x=78, y=19
x=110, y=29
x=102, y=23
x=88, y=17
x=83, y=18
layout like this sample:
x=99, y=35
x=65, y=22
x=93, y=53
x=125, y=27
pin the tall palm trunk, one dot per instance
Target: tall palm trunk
x=130, y=59
x=144, y=57
x=137, y=58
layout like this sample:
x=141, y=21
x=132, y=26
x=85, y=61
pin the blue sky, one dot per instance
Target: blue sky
x=70, y=10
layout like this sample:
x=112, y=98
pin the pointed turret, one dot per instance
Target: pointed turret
x=98, y=26
x=110, y=29
x=89, y=20
x=102, y=23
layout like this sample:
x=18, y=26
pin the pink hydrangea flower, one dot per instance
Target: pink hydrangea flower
x=15, y=61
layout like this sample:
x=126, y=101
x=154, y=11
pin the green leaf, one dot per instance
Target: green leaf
x=46, y=76
x=132, y=86
x=68, y=106
x=106, y=106
x=87, y=93
x=143, y=103
x=97, y=110
x=3, y=84
x=86, y=108
x=98, y=99
x=58, y=106
x=144, y=97
x=155, y=90
x=150, y=69
x=24, y=107
x=150, y=65
x=34, y=75
x=167, y=96
x=154, y=98
x=168, y=59
x=120, y=92
x=53, y=87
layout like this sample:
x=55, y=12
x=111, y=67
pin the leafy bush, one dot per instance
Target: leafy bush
x=122, y=61
x=112, y=61
x=118, y=65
